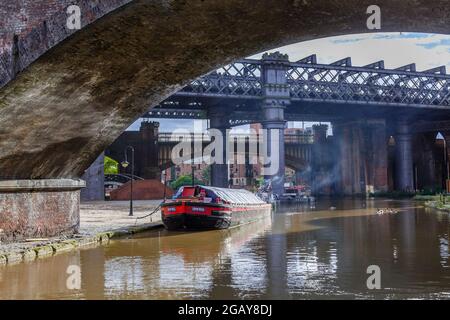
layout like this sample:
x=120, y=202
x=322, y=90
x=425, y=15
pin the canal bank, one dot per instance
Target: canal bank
x=438, y=202
x=299, y=253
x=100, y=221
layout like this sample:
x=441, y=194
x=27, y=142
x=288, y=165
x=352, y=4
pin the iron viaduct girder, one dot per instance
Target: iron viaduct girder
x=333, y=83
x=311, y=91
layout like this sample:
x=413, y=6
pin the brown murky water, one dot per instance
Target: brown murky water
x=299, y=253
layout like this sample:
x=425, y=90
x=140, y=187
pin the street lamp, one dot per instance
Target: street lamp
x=125, y=165
x=446, y=166
x=193, y=172
x=165, y=184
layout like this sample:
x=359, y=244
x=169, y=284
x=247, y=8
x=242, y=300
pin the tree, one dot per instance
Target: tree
x=111, y=166
x=184, y=180
x=206, y=175
x=259, y=181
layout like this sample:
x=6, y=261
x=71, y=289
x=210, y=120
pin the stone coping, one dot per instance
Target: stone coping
x=41, y=185
x=62, y=246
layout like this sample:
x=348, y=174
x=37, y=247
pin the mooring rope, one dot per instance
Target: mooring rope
x=151, y=213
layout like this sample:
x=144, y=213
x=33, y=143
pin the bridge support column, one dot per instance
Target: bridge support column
x=349, y=173
x=275, y=152
x=219, y=171
x=149, y=151
x=218, y=119
x=363, y=160
x=427, y=172
x=321, y=177
x=95, y=181
x=39, y=208
x=446, y=166
x=404, y=158
x=276, y=98
x=378, y=157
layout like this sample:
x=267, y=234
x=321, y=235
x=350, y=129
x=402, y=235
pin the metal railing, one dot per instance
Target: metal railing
x=289, y=138
x=337, y=82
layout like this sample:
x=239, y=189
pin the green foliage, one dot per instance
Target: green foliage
x=440, y=202
x=422, y=195
x=184, y=180
x=206, y=175
x=259, y=181
x=111, y=166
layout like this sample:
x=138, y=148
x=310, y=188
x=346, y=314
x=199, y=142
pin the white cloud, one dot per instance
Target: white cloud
x=396, y=49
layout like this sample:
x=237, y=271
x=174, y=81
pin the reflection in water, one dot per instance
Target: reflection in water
x=123, y=274
x=301, y=252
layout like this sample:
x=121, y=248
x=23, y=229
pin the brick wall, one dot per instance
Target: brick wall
x=28, y=28
x=142, y=190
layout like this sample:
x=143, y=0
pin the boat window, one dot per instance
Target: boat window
x=178, y=194
x=188, y=192
x=211, y=194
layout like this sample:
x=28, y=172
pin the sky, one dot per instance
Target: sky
x=396, y=49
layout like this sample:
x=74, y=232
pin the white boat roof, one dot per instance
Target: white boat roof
x=235, y=196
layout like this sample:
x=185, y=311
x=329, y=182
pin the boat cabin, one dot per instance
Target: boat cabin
x=207, y=194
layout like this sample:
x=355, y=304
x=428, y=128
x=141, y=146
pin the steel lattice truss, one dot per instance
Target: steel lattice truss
x=240, y=79
x=338, y=82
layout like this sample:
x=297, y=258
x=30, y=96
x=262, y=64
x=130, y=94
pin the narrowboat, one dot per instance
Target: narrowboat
x=204, y=207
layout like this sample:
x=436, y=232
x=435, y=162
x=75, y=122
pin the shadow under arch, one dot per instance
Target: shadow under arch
x=63, y=110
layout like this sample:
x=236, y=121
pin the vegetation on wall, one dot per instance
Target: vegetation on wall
x=184, y=180
x=111, y=166
x=206, y=175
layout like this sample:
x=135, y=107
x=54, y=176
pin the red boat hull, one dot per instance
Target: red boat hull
x=181, y=215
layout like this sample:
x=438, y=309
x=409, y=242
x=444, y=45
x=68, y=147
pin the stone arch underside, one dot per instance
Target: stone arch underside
x=295, y=163
x=64, y=109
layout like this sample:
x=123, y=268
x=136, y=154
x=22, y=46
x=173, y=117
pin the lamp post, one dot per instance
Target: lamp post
x=125, y=165
x=193, y=172
x=446, y=166
x=165, y=184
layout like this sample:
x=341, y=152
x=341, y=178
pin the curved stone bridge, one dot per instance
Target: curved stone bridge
x=84, y=88
x=66, y=95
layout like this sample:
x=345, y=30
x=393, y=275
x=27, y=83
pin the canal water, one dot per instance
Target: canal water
x=301, y=252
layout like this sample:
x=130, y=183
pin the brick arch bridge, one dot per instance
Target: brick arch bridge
x=65, y=95
x=84, y=88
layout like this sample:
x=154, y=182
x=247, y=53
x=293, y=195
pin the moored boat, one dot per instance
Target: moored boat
x=204, y=207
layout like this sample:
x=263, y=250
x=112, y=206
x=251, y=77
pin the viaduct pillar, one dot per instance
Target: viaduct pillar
x=446, y=166
x=348, y=173
x=378, y=156
x=426, y=163
x=149, y=150
x=95, y=181
x=321, y=181
x=218, y=120
x=276, y=98
x=275, y=162
x=403, y=157
x=362, y=165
